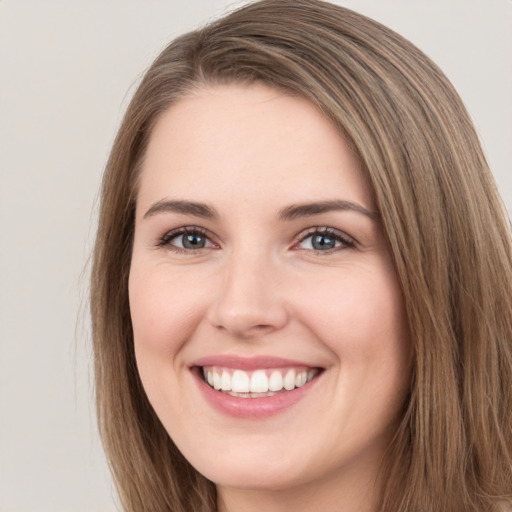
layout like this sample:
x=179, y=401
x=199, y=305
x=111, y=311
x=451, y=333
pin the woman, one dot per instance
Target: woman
x=302, y=274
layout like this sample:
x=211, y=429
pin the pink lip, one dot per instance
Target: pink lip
x=250, y=408
x=249, y=363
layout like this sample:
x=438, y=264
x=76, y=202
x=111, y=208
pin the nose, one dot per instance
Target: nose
x=249, y=303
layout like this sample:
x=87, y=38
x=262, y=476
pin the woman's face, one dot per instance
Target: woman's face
x=259, y=263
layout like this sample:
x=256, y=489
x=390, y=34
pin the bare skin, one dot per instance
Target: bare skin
x=256, y=235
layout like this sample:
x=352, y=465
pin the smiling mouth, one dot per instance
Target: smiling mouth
x=258, y=383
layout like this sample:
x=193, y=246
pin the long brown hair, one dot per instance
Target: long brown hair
x=447, y=230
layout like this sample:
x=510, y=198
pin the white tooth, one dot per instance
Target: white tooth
x=259, y=382
x=210, y=378
x=225, y=381
x=289, y=380
x=312, y=374
x=300, y=380
x=240, y=382
x=217, y=381
x=276, y=381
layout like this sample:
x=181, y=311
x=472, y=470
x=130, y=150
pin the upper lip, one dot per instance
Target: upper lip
x=250, y=363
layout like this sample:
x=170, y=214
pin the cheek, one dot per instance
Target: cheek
x=360, y=317
x=163, y=313
x=362, y=321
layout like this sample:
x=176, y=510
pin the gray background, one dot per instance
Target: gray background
x=67, y=70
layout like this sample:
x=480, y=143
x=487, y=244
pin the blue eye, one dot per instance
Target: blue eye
x=186, y=239
x=190, y=241
x=324, y=240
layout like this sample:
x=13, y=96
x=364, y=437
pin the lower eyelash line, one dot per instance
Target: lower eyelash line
x=331, y=233
x=164, y=241
x=192, y=230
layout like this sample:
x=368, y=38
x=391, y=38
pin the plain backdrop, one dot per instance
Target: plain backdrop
x=67, y=71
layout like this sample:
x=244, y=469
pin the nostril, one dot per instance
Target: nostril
x=248, y=323
x=245, y=332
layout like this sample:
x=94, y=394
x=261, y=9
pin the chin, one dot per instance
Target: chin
x=255, y=475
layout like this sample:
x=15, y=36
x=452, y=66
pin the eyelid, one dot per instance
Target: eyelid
x=165, y=240
x=347, y=241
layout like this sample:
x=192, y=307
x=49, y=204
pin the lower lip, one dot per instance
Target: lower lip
x=253, y=408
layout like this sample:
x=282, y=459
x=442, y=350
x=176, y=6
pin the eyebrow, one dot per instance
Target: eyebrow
x=291, y=212
x=296, y=211
x=185, y=207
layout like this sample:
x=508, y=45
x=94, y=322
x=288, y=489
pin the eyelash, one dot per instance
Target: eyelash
x=166, y=240
x=338, y=236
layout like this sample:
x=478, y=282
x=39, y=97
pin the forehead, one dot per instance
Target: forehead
x=245, y=142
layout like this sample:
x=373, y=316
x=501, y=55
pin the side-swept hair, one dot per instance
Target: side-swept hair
x=447, y=229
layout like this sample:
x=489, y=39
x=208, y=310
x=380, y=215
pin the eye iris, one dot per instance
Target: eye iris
x=193, y=241
x=323, y=242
